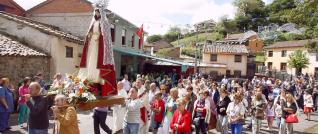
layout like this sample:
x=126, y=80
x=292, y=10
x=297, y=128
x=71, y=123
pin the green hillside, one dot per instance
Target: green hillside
x=191, y=40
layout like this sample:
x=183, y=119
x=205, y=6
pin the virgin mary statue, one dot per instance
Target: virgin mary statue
x=97, y=61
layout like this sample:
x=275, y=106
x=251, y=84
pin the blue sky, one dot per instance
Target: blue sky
x=159, y=15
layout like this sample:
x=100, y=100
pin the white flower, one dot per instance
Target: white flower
x=71, y=95
x=85, y=94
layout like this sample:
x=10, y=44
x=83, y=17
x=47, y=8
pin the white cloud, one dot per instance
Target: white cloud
x=27, y=4
x=153, y=13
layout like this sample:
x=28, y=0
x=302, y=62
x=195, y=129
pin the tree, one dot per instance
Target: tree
x=250, y=14
x=171, y=36
x=298, y=60
x=312, y=46
x=154, y=38
x=280, y=9
x=225, y=26
x=306, y=15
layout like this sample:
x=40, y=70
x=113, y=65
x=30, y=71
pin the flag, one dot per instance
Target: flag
x=140, y=33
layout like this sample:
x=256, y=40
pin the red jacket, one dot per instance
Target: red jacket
x=184, y=123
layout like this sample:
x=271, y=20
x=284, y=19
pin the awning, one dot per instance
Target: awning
x=135, y=53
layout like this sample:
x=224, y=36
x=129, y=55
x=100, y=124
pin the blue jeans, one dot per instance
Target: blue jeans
x=4, y=119
x=130, y=128
x=38, y=131
x=236, y=128
x=201, y=127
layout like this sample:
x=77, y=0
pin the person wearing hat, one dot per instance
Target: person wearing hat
x=157, y=108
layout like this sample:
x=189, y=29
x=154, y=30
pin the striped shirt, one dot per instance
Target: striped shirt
x=133, y=111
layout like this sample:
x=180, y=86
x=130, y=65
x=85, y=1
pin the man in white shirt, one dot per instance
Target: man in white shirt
x=126, y=83
x=119, y=111
x=225, y=80
x=143, y=95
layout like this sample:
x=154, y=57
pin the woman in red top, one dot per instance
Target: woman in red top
x=157, y=107
x=181, y=119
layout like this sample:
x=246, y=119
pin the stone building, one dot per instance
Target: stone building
x=203, y=26
x=19, y=60
x=63, y=49
x=224, y=59
x=74, y=16
x=277, y=56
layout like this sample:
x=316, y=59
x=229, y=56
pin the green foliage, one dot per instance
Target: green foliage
x=251, y=14
x=298, y=60
x=312, y=46
x=280, y=10
x=306, y=15
x=191, y=40
x=226, y=26
x=163, y=52
x=260, y=57
x=154, y=38
x=189, y=51
x=290, y=36
x=171, y=36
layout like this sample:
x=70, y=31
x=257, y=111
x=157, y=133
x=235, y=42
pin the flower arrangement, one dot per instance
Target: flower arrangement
x=84, y=95
x=78, y=91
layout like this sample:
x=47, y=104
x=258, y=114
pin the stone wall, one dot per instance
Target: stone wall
x=16, y=68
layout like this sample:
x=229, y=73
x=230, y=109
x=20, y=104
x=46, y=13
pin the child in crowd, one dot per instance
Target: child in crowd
x=308, y=104
x=270, y=115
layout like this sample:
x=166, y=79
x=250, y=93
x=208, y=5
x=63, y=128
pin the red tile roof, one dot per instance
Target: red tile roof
x=288, y=44
x=225, y=48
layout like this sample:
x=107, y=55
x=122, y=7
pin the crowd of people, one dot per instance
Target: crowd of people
x=162, y=104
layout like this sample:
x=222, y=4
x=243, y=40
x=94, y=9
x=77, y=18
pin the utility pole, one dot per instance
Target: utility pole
x=196, y=51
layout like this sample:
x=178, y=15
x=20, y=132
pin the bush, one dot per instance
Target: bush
x=189, y=51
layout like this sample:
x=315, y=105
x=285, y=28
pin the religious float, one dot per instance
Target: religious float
x=95, y=83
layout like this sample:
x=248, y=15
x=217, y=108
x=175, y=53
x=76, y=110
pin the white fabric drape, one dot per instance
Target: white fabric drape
x=91, y=72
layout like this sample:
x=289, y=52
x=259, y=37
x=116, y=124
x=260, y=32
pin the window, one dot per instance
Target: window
x=238, y=58
x=255, y=44
x=112, y=32
x=284, y=53
x=69, y=52
x=283, y=66
x=123, y=37
x=133, y=40
x=270, y=53
x=269, y=65
x=213, y=57
x=237, y=73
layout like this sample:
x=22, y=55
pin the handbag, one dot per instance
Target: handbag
x=292, y=118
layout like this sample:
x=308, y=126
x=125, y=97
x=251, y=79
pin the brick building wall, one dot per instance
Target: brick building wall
x=16, y=68
x=12, y=7
x=71, y=16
